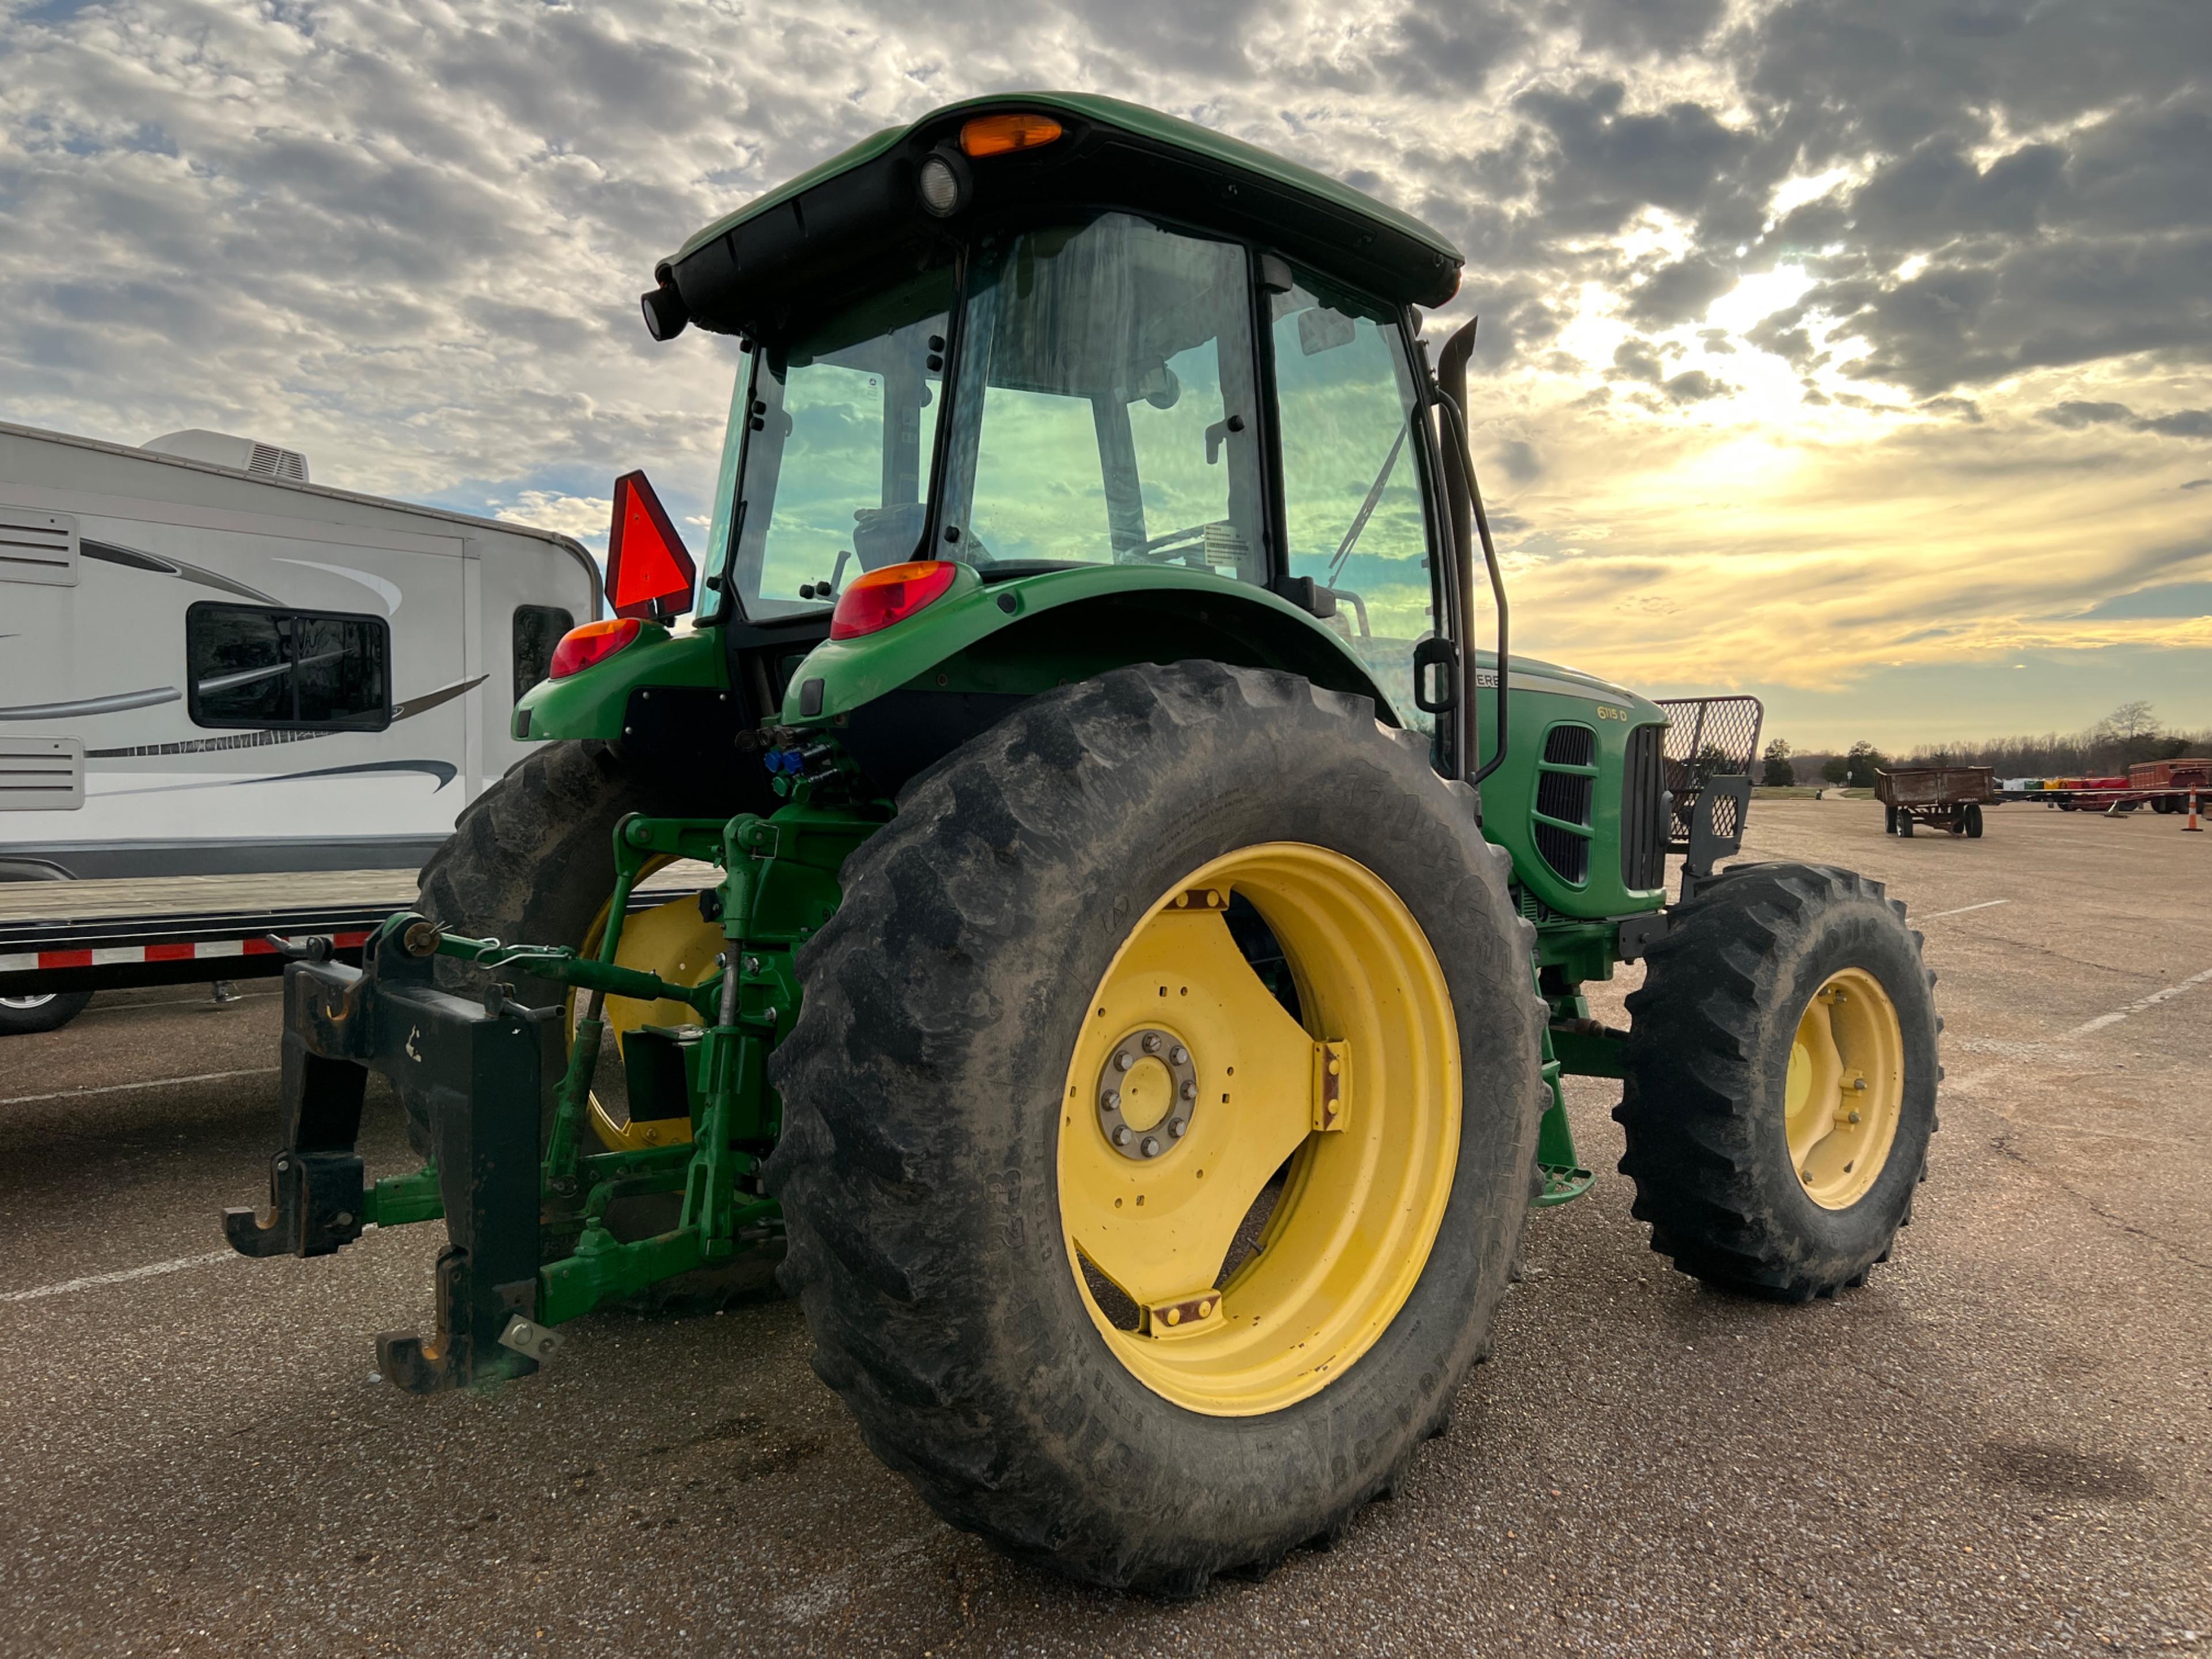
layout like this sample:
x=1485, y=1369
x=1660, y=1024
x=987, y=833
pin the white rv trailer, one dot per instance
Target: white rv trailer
x=235, y=704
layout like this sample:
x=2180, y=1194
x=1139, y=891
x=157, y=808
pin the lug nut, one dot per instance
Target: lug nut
x=1151, y=1042
x=1179, y=1128
x=1189, y=1090
x=1179, y=1055
x=1110, y=1101
x=1121, y=1134
x=1123, y=1059
x=1151, y=1147
x=1852, y=1118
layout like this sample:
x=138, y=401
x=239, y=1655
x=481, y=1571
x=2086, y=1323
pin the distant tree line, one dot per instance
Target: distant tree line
x=2130, y=734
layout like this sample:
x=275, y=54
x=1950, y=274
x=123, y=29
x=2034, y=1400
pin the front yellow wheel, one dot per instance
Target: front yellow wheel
x=1780, y=1080
x=1192, y=1087
x=1845, y=1090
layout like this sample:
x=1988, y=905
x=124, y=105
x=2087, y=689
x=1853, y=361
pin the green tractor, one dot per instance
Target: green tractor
x=1137, y=936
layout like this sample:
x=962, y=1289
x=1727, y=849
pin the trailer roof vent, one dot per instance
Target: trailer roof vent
x=244, y=454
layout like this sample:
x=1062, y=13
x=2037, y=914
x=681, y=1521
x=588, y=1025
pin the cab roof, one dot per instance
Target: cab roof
x=844, y=224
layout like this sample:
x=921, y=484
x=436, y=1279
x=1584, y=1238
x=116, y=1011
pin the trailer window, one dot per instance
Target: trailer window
x=249, y=665
x=538, y=630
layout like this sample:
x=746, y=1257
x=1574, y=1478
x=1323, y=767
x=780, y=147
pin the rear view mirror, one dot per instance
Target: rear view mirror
x=649, y=574
x=1322, y=330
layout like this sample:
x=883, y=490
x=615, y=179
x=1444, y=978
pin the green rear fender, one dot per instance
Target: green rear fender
x=1027, y=634
x=592, y=703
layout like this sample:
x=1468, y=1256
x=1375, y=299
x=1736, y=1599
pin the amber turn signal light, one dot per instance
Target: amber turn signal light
x=999, y=135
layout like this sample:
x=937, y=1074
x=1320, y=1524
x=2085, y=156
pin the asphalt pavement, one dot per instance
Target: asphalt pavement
x=2001, y=1445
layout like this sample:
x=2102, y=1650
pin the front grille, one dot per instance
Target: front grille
x=1571, y=746
x=1567, y=796
x=1530, y=905
x=1564, y=795
x=1567, y=852
x=1643, y=827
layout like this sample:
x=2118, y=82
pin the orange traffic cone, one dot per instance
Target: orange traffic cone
x=2192, y=823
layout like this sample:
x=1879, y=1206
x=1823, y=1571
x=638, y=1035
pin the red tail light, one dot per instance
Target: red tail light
x=881, y=597
x=580, y=648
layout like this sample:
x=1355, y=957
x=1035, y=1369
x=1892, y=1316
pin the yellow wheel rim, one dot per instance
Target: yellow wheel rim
x=1192, y=1086
x=1847, y=1088
x=671, y=940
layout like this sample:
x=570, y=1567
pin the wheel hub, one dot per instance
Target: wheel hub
x=1147, y=1094
x=1255, y=1251
x=1845, y=1088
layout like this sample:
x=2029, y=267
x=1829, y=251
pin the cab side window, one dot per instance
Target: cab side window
x=1353, y=505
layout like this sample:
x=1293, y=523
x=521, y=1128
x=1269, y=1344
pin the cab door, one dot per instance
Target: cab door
x=1357, y=516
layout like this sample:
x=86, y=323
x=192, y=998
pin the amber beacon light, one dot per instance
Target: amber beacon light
x=999, y=135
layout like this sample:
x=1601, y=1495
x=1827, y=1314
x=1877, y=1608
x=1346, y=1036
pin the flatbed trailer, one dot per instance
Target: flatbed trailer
x=77, y=936
x=2165, y=787
x=1941, y=797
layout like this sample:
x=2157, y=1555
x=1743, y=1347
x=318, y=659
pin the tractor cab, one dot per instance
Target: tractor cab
x=1162, y=394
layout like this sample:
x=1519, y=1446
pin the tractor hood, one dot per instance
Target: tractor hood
x=859, y=218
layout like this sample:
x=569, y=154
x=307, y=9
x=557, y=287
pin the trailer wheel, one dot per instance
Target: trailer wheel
x=1888, y=820
x=1974, y=822
x=1904, y=824
x=1039, y=1103
x=26, y=1015
x=1780, y=1086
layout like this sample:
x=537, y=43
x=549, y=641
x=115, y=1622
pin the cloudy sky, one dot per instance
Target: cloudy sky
x=1858, y=353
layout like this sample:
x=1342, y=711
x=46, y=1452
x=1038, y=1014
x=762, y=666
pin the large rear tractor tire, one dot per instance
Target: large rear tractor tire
x=1167, y=965
x=1781, y=1073
x=531, y=862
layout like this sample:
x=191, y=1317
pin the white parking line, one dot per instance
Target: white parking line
x=2139, y=1004
x=150, y=1083
x=151, y=1270
x=1962, y=910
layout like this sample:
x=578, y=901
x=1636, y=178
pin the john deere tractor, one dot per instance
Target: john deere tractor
x=1134, y=935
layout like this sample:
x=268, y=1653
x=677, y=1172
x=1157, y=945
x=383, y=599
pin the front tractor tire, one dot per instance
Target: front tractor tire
x=1780, y=1088
x=1169, y=965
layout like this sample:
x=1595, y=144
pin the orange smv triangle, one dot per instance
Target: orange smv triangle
x=649, y=572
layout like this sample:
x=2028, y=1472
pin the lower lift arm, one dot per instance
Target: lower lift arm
x=524, y=1207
